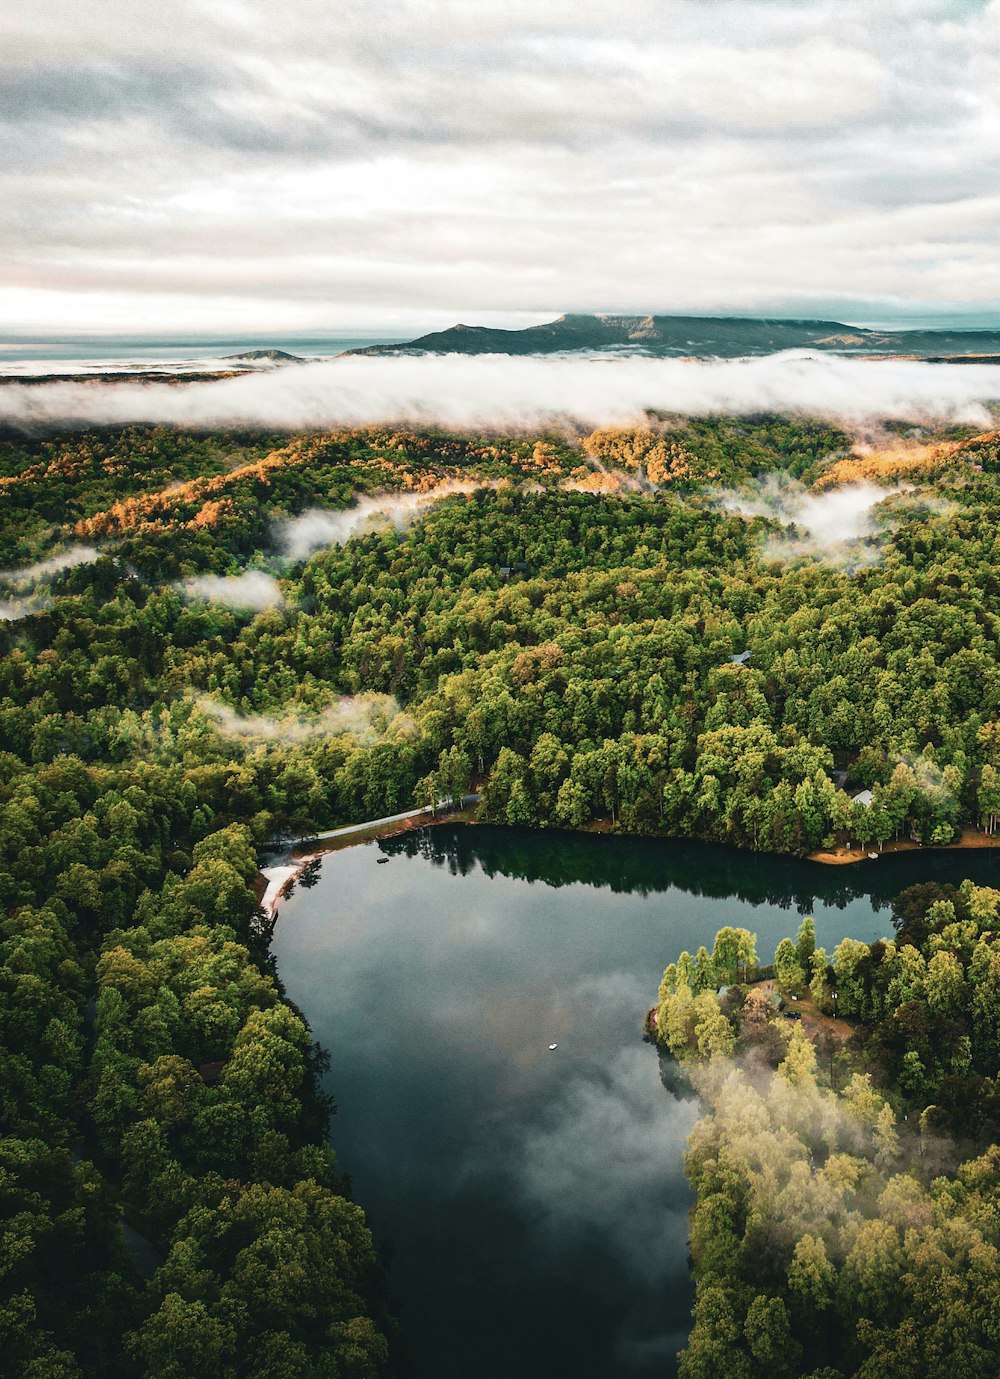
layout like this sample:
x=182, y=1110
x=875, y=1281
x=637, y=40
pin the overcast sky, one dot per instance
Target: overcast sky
x=330, y=166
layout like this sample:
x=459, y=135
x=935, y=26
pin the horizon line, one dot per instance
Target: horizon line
x=971, y=322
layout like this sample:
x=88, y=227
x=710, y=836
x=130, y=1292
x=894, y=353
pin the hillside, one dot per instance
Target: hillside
x=268, y=356
x=680, y=336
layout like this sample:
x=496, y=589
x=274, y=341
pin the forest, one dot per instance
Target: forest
x=211, y=641
x=846, y=1162
x=569, y=651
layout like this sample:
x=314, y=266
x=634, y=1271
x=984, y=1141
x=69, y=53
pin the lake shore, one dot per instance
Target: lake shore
x=273, y=883
x=970, y=838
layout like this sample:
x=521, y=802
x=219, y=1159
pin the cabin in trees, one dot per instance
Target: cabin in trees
x=864, y=797
x=740, y=659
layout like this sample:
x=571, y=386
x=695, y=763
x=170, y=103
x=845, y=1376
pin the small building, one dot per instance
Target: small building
x=740, y=659
x=863, y=797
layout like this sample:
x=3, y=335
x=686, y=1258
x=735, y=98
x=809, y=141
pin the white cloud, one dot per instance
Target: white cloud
x=229, y=166
x=27, y=579
x=54, y=565
x=831, y=524
x=495, y=390
x=367, y=716
x=319, y=527
x=251, y=590
x=841, y=514
x=11, y=610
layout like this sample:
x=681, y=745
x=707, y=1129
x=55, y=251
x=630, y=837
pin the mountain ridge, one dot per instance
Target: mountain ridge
x=686, y=336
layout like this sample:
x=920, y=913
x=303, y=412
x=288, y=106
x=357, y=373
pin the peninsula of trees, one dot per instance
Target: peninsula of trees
x=846, y=1165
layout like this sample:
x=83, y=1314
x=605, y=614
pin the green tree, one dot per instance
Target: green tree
x=787, y=968
x=811, y=1275
x=820, y=987
x=945, y=985
x=183, y=1340
x=798, y=1067
x=733, y=954
x=805, y=942
x=988, y=797
x=769, y=1335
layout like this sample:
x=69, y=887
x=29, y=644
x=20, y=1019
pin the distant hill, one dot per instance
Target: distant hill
x=265, y=356
x=678, y=336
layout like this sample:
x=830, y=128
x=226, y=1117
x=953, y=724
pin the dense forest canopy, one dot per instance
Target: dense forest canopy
x=570, y=650
x=565, y=630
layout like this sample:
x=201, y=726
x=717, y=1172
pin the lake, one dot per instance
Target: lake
x=531, y=1202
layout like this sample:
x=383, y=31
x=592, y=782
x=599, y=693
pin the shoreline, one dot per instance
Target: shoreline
x=274, y=881
x=290, y=865
x=970, y=839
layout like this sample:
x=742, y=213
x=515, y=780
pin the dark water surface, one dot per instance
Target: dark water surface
x=534, y=1201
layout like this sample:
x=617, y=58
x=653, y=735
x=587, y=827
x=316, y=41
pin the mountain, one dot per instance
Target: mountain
x=266, y=357
x=717, y=336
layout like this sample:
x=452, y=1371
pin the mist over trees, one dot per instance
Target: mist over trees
x=847, y=1171
x=571, y=652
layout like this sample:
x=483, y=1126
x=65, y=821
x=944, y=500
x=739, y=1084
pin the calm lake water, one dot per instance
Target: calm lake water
x=533, y=1202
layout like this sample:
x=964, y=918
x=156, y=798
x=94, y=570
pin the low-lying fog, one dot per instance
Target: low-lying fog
x=317, y=528
x=500, y=391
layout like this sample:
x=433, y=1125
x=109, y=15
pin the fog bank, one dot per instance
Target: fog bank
x=829, y=524
x=366, y=716
x=11, y=610
x=26, y=579
x=54, y=565
x=316, y=528
x=466, y=392
x=251, y=590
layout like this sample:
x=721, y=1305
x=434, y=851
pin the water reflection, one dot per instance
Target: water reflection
x=534, y=1198
x=650, y=866
x=598, y=1172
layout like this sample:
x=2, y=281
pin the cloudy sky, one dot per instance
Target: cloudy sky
x=339, y=166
